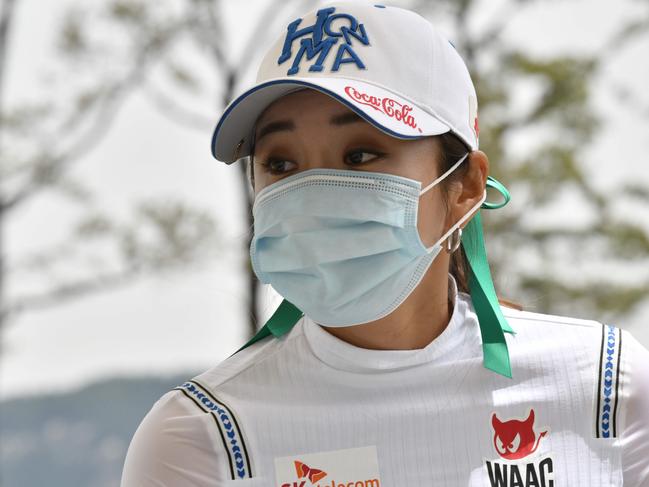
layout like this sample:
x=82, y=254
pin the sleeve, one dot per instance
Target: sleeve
x=635, y=434
x=175, y=445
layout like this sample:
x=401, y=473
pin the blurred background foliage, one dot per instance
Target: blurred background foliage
x=568, y=265
x=191, y=57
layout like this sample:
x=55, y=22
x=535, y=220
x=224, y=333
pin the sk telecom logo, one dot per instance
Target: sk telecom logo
x=350, y=467
x=319, y=39
x=315, y=475
x=516, y=441
x=312, y=473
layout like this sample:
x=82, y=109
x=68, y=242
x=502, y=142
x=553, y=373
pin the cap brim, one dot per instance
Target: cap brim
x=387, y=111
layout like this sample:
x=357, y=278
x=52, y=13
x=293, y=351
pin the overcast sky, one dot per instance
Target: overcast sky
x=191, y=321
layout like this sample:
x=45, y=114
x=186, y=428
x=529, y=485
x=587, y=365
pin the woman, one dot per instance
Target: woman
x=391, y=361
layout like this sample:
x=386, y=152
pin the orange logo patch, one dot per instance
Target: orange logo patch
x=313, y=474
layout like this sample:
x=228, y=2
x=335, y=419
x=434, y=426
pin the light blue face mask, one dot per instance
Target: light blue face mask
x=493, y=324
x=343, y=245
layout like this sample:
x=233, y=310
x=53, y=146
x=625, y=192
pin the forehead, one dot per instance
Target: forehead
x=302, y=103
x=314, y=109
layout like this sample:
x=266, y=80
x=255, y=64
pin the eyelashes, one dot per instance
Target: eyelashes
x=352, y=159
x=278, y=165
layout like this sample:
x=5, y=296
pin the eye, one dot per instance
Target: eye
x=516, y=442
x=361, y=156
x=499, y=445
x=277, y=165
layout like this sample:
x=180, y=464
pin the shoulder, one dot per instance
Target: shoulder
x=555, y=336
x=588, y=344
x=193, y=435
x=529, y=322
x=171, y=447
x=580, y=359
x=611, y=359
x=242, y=364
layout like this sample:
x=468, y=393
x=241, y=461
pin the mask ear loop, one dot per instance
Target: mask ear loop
x=443, y=176
x=464, y=218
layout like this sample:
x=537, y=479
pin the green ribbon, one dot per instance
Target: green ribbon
x=283, y=319
x=493, y=324
x=500, y=187
x=483, y=295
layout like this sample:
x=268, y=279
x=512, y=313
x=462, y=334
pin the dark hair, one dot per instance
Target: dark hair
x=454, y=148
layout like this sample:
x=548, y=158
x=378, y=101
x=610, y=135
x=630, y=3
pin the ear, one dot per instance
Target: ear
x=495, y=422
x=471, y=187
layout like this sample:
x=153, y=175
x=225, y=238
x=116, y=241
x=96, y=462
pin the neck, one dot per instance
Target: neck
x=421, y=318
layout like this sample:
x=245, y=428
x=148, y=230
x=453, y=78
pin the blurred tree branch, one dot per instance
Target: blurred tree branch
x=47, y=138
x=559, y=124
x=59, y=137
x=166, y=235
x=205, y=30
x=181, y=57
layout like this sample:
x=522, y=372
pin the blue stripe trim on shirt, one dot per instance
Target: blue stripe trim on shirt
x=228, y=427
x=608, y=382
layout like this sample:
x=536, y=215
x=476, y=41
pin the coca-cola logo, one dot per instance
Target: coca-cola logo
x=388, y=106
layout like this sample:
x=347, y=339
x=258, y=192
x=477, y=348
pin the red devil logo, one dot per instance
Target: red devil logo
x=312, y=473
x=515, y=439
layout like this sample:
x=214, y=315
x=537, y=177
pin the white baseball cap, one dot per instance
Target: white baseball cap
x=389, y=65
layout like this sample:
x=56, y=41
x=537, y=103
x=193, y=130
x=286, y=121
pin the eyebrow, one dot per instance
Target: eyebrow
x=288, y=125
x=345, y=118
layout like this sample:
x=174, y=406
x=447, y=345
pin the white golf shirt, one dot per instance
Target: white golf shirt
x=310, y=409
